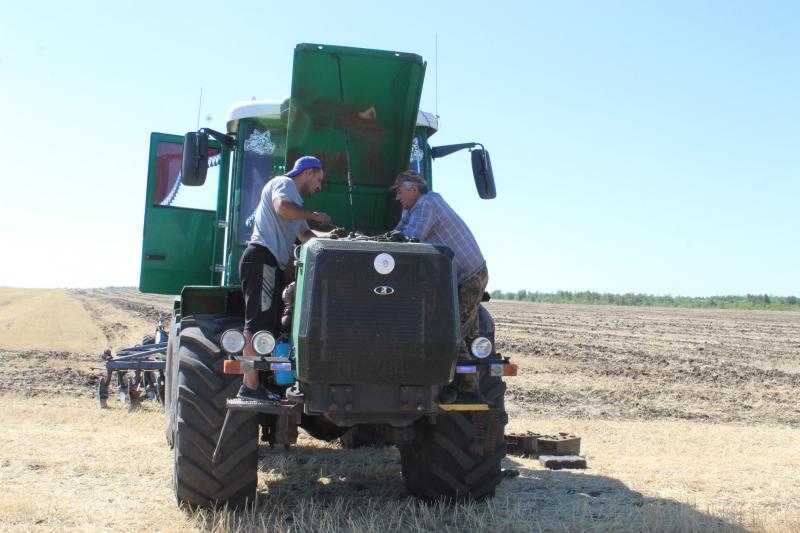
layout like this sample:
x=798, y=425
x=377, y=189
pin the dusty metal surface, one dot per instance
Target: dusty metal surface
x=557, y=462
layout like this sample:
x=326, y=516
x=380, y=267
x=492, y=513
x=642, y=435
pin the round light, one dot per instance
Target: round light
x=384, y=263
x=263, y=342
x=232, y=341
x=481, y=347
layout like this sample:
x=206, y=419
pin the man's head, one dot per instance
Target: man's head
x=408, y=187
x=307, y=175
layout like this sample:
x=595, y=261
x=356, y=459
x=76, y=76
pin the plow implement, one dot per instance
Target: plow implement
x=139, y=371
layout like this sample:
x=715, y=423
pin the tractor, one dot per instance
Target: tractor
x=370, y=333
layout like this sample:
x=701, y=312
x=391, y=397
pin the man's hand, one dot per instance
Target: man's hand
x=321, y=218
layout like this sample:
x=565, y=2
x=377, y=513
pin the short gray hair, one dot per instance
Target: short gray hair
x=420, y=187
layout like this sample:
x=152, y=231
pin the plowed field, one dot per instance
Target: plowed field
x=690, y=421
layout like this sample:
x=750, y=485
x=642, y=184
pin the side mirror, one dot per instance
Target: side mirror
x=194, y=165
x=482, y=172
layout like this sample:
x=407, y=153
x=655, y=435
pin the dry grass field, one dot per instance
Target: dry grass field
x=690, y=422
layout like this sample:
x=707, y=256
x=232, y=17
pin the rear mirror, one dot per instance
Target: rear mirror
x=482, y=172
x=194, y=165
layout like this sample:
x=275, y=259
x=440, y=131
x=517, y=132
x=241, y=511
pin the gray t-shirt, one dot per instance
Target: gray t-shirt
x=272, y=231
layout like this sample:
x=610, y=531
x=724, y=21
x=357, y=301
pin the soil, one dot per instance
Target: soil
x=613, y=362
x=51, y=340
x=36, y=373
x=590, y=362
x=666, y=401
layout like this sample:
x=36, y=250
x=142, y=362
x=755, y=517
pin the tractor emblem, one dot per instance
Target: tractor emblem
x=383, y=290
x=260, y=143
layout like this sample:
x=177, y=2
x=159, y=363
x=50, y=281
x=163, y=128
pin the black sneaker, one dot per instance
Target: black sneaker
x=261, y=394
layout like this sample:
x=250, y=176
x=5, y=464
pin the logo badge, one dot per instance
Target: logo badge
x=383, y=290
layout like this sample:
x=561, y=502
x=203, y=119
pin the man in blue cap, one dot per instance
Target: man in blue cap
x=279, y=219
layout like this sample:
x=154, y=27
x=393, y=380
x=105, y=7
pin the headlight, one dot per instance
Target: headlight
x=481, y=347
x=232, y=341
x=263, y=342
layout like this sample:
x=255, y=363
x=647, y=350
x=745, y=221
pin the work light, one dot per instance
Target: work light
x=232, y=341
x=263, y=342
x=481, y=347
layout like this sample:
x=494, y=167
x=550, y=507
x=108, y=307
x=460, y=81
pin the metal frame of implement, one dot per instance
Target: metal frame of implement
x=148, y=363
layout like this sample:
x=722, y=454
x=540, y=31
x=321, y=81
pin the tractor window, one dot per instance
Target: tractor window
x=171, y=192
x=261, y=159
x=416, y=160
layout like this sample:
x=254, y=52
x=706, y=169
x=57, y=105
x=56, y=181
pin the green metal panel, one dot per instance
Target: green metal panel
x=298, y=299
x=370, y=96
x=208, y=300
x=178, y=245
x=218, y=253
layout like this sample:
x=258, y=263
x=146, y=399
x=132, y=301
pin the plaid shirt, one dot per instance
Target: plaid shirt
x=430, y=219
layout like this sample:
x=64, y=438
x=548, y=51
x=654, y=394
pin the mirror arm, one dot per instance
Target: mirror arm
x=225, y=140
x=441, y=151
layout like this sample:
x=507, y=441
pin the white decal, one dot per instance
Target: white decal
x=416, y=152
x=260, y=143
x=267, y=285
x=384, y=263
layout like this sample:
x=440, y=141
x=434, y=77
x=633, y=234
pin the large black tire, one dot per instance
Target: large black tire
x=201, y=392
x=459, y=457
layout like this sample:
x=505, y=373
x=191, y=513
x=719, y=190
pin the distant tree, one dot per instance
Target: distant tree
x=749, y=301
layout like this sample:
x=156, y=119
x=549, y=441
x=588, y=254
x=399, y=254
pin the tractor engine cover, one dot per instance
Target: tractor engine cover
x=376, y=312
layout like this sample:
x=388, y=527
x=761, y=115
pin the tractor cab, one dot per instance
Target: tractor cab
x=357, y=112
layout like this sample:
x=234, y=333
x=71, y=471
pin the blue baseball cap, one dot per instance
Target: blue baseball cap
x=304, y=163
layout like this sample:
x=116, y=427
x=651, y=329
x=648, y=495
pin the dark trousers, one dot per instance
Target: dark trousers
x=470, y=293
x=262, y=285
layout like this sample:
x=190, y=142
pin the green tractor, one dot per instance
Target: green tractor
x=370, y=332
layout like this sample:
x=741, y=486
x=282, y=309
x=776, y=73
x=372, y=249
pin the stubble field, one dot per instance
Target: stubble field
x=690, y=421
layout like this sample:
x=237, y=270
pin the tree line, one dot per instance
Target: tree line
x=748, y=301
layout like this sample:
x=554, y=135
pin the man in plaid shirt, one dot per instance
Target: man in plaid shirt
x=427, y=217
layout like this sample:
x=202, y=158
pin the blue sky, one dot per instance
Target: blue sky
x=637, y=146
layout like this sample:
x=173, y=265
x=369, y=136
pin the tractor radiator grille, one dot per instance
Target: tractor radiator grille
x=359, y=326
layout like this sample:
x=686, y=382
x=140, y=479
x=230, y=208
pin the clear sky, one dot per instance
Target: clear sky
x=637, y=146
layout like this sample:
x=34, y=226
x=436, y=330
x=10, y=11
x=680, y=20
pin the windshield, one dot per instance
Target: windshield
x=262, y=158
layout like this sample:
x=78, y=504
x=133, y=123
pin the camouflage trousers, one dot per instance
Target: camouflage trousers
x=470, y=293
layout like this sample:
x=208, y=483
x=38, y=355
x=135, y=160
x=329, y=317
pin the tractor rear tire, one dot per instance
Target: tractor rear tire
x=201, y=394
x=459, y=457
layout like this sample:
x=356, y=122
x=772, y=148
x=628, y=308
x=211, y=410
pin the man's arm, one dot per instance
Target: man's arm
x=403, y=221
x=420, y=221
x=286, y=208
x=310, y=233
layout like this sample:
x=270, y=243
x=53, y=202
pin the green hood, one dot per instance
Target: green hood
x=378, y=111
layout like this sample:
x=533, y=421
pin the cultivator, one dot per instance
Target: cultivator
x=139, y=370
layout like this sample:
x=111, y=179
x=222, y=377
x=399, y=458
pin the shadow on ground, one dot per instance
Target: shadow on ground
x=329, y=489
